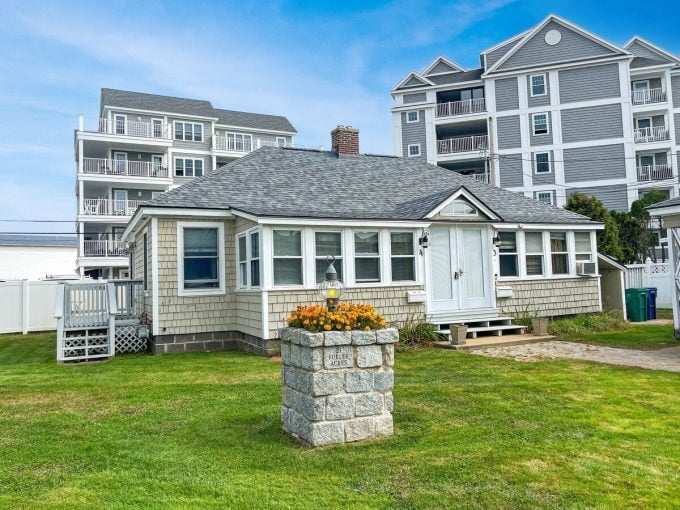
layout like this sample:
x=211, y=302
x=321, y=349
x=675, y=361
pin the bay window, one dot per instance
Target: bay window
x=584, y=249
x=200, y=258
x=559, y=254
x=533, y=243
x=402, y=257
x=287, y=246
x=327, y=244
x=366, y=257
x=508, y=254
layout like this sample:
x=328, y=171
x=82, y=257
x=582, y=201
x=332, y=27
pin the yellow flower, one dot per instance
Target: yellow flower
x=327, y=327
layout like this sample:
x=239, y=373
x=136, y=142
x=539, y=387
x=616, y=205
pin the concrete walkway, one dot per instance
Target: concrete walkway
x=662, y=359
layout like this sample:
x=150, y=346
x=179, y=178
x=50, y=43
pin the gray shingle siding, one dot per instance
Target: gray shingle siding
x=675, y=90
x=594, y=163
x=613, y=197
x=494, y=56
x=588, y=83
x=413, y=133
x=543, y=178
x=417, y=97
x=592, y=123
x=509, y=135
x=572, y=46
x=507, y=95
x=539, y=100
x=511, y=173
x=545, y=139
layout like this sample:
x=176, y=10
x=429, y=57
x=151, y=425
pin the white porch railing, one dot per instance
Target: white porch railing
x=461, y=107
x=649, y=96
x=228, y=143
x=123, y=167
x=479, y=177
x=133, y=128
x=462, y=144
x=651, y=134
x=107, y=207
x=103, y=248
x=648, y=173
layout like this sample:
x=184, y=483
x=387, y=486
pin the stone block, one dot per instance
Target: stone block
x=287, y=396
x=358, y=381
x=387, y=336
x=285, y=351
x=295, y=355
x=327, y=383
x=340, y=356
x=388, y=355
x=287, y=334
x=368, y=404
x=311, y=408
x=332, y=338
x=311, y=359
x=383, y=380
x=384, y=425
x=325, y=433
x=359, y=428
x=174, y=348
x=340, y=407
x=299, y=380
x=363, y=337
x=389, y=401
x=369, y=356
x=309, y=339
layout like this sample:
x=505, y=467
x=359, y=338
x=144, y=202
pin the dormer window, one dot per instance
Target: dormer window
x=459, y=208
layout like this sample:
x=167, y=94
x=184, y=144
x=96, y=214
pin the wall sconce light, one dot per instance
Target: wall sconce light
x=497, y=241
x=424, y=240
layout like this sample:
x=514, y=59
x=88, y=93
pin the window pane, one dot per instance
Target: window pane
x=242, y=267
x=534, y=242
x=247, y=143
x=558, y=242
x=200, y=242
x=582, y=242
x=189, y=167
x=179, y=130
x=198, y=167
x=198, y=132
x=200, y=273
x=287, y=271
x=322, y=265
x=534, y=265
x=367, y=270
x=255, y=245
x=366, y=243
x=328, y=243
x=187, y=131
x=560, y=264
x=542, y=163
x=508, y=265
x=254, y=273
x=242, y=248
x=509, y=242
x=403, y=269
x=583, y=256
x=179, y=167
x=287, y=243
x=402, y=243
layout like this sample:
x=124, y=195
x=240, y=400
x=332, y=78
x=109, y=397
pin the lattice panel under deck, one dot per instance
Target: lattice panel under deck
x=128, y=341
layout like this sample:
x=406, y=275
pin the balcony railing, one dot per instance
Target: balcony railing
x=651, y=134
x=647, y=173
x=107, y=207
x=464, y=107
x=462, y=144
x=479, y=177
x=228, y=143
x=649, y=96
x=123, y=167
x=122, y=127
x=103, y=248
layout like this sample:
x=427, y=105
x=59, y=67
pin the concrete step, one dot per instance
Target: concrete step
x=494, y=341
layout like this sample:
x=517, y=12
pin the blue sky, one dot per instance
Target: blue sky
x=319, y=63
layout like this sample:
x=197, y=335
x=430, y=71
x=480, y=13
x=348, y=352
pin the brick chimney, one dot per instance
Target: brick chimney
x=345, y=141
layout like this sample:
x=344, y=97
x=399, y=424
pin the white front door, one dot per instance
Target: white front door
x=120, y=198
x=460, y=261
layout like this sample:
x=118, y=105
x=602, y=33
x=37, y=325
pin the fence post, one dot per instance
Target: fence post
x=24, y=306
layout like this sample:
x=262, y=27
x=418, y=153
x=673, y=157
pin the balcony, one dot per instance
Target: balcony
x=464, y=107
x=651, y=134
x=107, y=207
x=462, y=144
x=229, y=143
x=120, y=127
x=104, y=248
x=479, y=177
x=123, y=168
x=649, y=96
x=649, y=173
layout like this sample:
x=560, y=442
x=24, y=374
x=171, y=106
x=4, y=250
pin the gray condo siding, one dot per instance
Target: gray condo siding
x=136, y=155
x=675, y=90
x=589, y=83
x=510, y=171
x=207, y=165
x=545, y=139
x=572, y=46
x=676, y=119
x=508, y=130
x=494, y=56
x=507, y=95
x=441, y=67
x=412, y=133
x=543, y=178
x=640, y=51
x=416, y=97
x=595, y=163
x=613, y=197
x=543, y=100
x=204, y=145
x=592, y=123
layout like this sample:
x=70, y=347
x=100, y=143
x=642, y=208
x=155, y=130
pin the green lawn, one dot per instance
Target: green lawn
x=637, y=336
x=664, y=313
x=202, y=431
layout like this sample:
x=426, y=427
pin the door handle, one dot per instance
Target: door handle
x=455, y=275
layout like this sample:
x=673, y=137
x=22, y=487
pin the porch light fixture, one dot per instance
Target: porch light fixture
x=497, y=241
x=424, y=240
x=331, y=288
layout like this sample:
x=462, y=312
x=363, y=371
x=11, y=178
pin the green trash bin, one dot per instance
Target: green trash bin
x=636, y=304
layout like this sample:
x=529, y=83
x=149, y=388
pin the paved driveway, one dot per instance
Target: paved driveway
x=662, y=359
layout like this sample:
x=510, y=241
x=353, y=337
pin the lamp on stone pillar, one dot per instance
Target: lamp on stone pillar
x=331, y=288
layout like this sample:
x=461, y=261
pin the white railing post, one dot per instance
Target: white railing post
x=24, y=306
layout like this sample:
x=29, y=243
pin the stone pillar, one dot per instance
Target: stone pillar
x=337, y=385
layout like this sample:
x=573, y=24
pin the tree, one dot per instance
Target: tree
x=649, y=238
x=633, y=237
x=608, y=241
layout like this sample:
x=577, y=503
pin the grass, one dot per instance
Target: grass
x=664, y=313
x=203, y=431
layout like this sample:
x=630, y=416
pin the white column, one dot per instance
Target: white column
x=674, y=257
x=430, y=135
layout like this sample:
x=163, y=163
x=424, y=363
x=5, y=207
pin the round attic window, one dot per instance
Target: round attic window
x=552, y=37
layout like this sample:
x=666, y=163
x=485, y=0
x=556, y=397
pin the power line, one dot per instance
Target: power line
x=38, y=221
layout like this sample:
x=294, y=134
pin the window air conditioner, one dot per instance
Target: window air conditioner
x=585, y=268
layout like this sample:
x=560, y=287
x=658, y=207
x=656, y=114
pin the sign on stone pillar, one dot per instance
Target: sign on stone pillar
x=337, y=385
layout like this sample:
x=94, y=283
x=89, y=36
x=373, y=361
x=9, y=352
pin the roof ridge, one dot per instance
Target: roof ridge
x=159, y=95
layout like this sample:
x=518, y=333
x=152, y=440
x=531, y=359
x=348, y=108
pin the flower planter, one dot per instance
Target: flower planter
x=540, y=326
x=458, y=333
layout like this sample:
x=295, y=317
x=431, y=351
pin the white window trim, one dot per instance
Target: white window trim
x=590, y=252
x=545, y=85
x=244, y=136
x=533, y=123
x=569, y=236
x=550, y=169
x=193, y=131
x=343, y=258
x=414, y=256
x=549, y=193
x=301, y=257
x=221, y=289
x=408, y=150
x=417, y=112
x=115, y=123
x=444, y=212
x=380, y=256
x=632, y=86
x=526, y=253
x=249, y=284
x=280, y=141
x=517, y=254
x=184, y=168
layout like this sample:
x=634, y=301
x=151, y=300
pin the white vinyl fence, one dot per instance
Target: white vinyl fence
x=652, y=275
x=27, y=306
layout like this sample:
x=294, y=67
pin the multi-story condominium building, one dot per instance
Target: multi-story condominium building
x=551, y=111
x=144, y=144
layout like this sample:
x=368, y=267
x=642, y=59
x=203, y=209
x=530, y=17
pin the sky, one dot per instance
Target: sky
x=318, y=63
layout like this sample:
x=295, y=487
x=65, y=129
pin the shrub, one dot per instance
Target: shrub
x=588, y=323
x=414, y=332
x=346, y=317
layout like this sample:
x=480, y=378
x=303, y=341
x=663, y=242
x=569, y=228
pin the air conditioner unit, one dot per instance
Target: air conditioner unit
x=585, y=268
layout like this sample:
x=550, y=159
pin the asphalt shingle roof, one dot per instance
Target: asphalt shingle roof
x=274, y=181
x=665, y=203
x=441, y=79
x=198, y=107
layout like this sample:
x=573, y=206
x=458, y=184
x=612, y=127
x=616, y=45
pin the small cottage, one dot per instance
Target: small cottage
x=227, y=256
